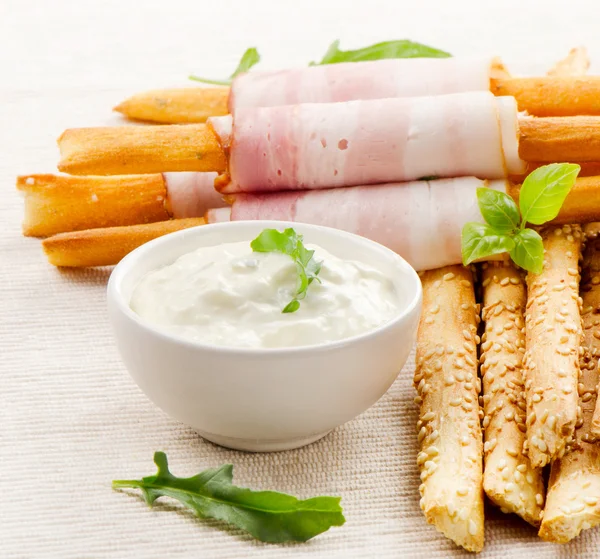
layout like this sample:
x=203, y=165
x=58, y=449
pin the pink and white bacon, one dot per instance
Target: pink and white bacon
x=422, y=220
x=192, y=194
x=332, y=83
x=315, y=146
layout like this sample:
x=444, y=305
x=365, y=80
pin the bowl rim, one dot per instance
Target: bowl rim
x=129, y=262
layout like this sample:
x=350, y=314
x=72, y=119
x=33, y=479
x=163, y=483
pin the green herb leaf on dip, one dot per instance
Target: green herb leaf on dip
x=249, y=59
x=267, y=515
x=290, y=243
x=380, y=51
x=542, y=195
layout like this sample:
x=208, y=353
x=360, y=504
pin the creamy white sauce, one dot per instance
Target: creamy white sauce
x=228, y=295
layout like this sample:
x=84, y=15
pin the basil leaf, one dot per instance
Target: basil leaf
x=479, y=240
x=249, y=59
x=379, y=51
x=290, y=243
x=499, y=210
x=544, y=191
x=267, y=515
x=271, y=240
x=528, y=251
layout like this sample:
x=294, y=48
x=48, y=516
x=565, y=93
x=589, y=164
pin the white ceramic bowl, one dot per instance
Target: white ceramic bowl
x=262, y=399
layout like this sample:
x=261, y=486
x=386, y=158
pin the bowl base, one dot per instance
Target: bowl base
x=261, y=445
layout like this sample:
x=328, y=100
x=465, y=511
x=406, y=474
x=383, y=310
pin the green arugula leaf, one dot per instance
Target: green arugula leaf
x=249, y=59
x=290, y=243
x=267, y=515
x=544, y=191
x=528, y=251
x=479, y=240
x=499, y=210
x=379, y=51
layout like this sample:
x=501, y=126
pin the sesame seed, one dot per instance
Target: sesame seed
x=428, y=416
x=591, y=501
x=522, y=468
x=510, y=487
x=448, y=276
x=529, y=478
x=504, y=282
x=455, y=402
x=518, y=476
x=433, y=451
x=462, y=491
x=472, y=527
x=539, y=499
x=463, y=513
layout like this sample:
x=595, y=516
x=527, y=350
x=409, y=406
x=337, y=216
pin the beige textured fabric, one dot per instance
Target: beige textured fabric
x=71, y=419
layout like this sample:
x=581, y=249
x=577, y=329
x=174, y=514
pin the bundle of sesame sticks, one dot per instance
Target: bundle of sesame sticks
x=538, y=361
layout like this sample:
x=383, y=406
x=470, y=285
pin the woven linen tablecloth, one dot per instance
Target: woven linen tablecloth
x=71, y=418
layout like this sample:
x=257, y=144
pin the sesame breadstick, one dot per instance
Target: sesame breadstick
x=105, y=247
x=573, y=502
x=553, y=338
x=448, y=389
x=59, y=203
x=508, y=478
x=591, y=309
x=176, y=106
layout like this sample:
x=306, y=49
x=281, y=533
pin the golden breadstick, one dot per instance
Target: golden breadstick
x=56, y=203
x=559, y=139
x=122, y=150
x=588, y=168
x=582, y=204
x=573, y=502
x=448, y=390
x=553, y=338
x=176, y=106
x=105, y=247
x=553, y=95
x=508, y=478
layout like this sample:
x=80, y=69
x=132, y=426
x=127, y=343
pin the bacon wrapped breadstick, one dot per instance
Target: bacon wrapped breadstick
x=62, y=203
x=422, y=221
x=448, y=388
x=556, y=95
x=573, y=502
x=105, y=247
x=331, y=145
x=508, y=477
x=553, y=327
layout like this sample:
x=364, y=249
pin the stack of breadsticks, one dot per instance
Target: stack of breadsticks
x=489, y=433
x=538, y=388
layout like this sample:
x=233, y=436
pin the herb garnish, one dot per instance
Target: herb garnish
x=290, y=243
x=542, y=195
x=267, y=515
x=378, y=51
x=249, y=59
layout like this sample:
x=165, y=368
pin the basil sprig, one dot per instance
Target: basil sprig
x=378, y=51
x=290, y=243
x=249, y=59
x=267, y=515
x=542, y=195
